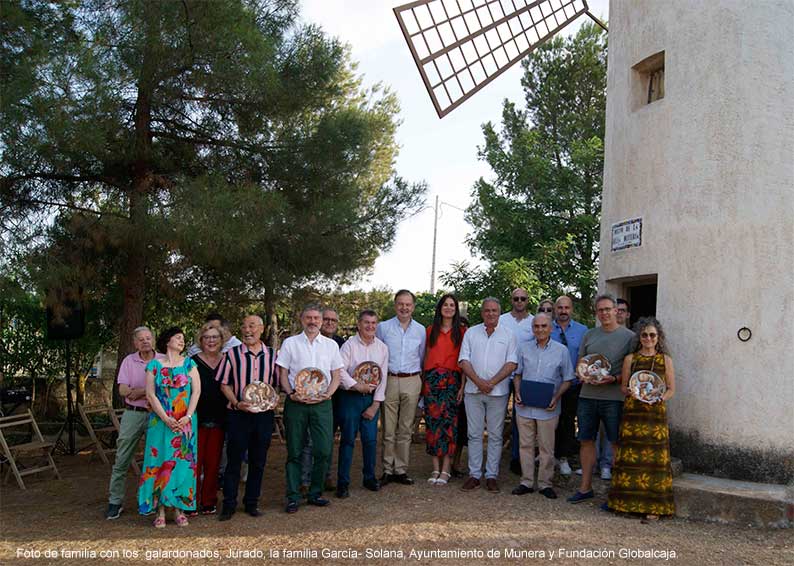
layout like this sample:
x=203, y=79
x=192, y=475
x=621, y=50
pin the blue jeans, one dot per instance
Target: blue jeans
x=349, y=411
x=485, y=411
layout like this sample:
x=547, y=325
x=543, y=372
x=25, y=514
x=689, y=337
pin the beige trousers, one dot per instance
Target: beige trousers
x=399, y=410
x=531, y=433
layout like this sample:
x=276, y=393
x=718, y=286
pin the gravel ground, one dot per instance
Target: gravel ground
x=61, y=522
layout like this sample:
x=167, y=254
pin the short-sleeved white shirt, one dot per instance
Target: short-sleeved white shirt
x=488, y=354
x=298, y=353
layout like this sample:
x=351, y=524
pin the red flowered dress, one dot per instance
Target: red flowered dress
x=169, y=463
x=440, y=394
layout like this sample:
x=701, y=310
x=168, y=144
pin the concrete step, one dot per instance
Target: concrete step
x=718, y=500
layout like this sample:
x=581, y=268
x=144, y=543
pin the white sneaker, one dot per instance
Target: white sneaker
x=606, y=473
x=565, y=467
x=579, y=472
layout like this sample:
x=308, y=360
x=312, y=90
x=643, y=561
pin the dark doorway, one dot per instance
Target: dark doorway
x=642, y=299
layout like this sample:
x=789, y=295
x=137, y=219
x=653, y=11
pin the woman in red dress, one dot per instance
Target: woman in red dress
x=441, y=389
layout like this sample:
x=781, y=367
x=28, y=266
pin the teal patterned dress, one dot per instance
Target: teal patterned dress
x=169, y=462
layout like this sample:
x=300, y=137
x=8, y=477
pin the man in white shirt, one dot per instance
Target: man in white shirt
x=488, y=356
x=359, y=402
x=519, y=322
x=405, y=339
x=309, y=349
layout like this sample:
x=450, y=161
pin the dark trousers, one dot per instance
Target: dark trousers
x=319, y=420
x=348, y=414
x=252, y=432
x=565, y=443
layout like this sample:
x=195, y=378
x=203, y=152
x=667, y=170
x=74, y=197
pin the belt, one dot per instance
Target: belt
x=404, y=374
x=136, y=409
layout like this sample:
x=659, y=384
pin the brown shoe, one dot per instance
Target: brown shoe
x=470, y=484
x=491, y=485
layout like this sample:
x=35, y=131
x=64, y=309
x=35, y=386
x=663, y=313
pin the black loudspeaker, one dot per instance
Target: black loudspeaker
x=65, y=314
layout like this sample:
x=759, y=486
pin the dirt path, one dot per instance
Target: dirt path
x=64, y=518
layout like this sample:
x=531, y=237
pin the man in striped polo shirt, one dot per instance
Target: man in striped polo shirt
x=249, y=362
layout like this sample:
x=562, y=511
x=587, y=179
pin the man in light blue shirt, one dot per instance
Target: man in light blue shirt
x=541, y=360
x=488, y=356
x=569, y=333
x=405, y=339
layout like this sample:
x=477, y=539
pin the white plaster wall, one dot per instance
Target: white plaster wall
x=710, y=168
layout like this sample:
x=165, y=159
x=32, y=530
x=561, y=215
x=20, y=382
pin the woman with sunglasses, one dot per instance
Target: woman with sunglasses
x=546, y=306
x=642, y=477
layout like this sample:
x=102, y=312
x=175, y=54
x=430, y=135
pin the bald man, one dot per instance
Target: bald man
x=252, y=361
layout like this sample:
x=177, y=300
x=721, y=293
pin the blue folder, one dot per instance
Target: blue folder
x=536, y=393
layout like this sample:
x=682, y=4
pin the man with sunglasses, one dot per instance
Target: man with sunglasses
x=604, y=402
x=518, y=321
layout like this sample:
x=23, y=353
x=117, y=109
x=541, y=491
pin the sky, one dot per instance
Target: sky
x=441, y=152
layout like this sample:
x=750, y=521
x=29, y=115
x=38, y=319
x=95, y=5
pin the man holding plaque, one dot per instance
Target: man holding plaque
x=249, y=427
x=602, y=401
x=304, y=360
x=362, y=390
x=544, y=374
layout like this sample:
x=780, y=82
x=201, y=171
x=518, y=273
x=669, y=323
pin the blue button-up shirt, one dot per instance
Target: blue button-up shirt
x=547, y=365
x=573, y=337
x=406, y=347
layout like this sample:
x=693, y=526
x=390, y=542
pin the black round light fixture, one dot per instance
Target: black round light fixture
x=744, y=334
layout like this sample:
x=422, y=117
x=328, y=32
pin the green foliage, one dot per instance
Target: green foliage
x=25, y=350
x=472, y=284
x=184, y=154
x=543, y=204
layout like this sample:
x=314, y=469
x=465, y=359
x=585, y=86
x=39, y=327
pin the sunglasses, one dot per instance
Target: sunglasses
x=648, y=335
x=545, y=310
x=519, y=299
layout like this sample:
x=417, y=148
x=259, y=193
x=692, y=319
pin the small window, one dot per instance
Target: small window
x=648, y=78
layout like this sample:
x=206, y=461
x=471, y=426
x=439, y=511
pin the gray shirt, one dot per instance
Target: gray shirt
x=614, y=346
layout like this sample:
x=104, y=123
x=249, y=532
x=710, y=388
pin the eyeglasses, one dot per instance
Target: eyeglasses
x=545, y=310
x=330, y=319
x=648, y=335
x=606, y=309
x=210, y=337
x=520, y=299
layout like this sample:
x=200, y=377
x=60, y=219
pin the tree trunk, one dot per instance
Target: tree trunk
x=133, y=280
x=271, y=320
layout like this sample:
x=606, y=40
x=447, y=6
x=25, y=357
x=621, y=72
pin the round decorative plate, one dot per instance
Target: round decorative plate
x=593, y=369
x=262, y=396
x=367, y=373
x=646, y=386
x=311, y=383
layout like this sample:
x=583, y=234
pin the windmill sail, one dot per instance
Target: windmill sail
x=460, y=46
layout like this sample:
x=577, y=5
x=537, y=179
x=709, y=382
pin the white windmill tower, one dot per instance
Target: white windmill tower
x=698, y=204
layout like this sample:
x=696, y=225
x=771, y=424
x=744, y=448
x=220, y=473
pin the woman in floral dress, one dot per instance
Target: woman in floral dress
x=441, y=389
x=642, y=477
x=173, y=387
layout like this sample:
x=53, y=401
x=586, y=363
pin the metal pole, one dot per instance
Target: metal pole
x=433, y=265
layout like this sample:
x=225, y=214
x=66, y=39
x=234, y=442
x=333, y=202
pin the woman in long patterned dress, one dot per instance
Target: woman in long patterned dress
x=441, y=389
x=173, y=387
x=642, y=477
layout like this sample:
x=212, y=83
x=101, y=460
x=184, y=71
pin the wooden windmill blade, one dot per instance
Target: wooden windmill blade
x=460, y=46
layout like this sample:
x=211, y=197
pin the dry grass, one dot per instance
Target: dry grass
x=67, y=515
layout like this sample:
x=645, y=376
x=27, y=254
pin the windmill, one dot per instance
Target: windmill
x=459, y=46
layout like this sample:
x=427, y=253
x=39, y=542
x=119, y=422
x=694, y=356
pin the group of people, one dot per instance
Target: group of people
x=190, y=407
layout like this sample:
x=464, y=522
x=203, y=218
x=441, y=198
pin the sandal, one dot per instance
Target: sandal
x=181, y=520
x=159, y=523
x=443, y=480
x=433, y=477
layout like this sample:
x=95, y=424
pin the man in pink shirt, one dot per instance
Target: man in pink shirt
x=132, y=386
x=359, y=403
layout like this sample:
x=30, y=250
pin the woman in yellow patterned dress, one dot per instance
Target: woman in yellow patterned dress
x=642, y=478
